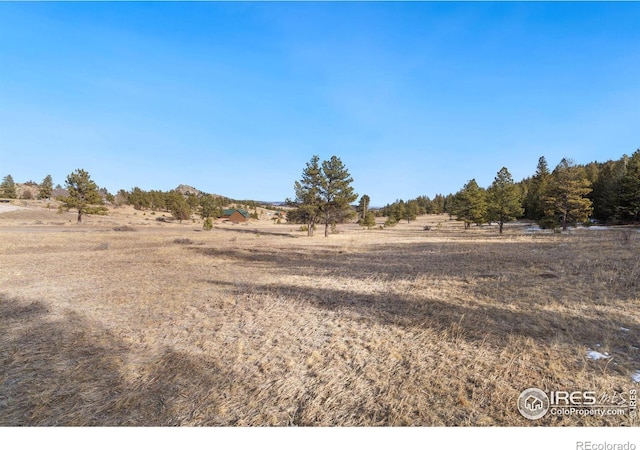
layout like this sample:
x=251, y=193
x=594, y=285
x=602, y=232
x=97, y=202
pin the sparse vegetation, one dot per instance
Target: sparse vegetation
x=250, y=327
x=247, y=326
x=124, y=228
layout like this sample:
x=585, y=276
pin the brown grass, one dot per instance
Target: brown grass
x=259, y=325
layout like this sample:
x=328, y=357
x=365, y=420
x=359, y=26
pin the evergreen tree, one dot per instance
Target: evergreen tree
x=399, y=211
x=8, y=188
x=308, y=199
x=209, y=207
x=363, y=206
x=45, y=189
x=411, y=211
x=607, y=190
x=336, y=192
x=83, y=195
x=369, y=220
x=630, y=189
x=448, y=204
x=534, y=201
x=157, y=200
x=469, y=204
x=178, y=206
x=566, y=203
x=139, y=199
x=425, y=205
x=122, y=198
x=193, y=201
x=504, y=200
x=438, y=204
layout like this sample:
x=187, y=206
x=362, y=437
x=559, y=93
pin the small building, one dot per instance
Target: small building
x=235, y=215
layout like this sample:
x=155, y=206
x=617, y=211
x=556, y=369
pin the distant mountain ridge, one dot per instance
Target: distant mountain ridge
x=185, y=189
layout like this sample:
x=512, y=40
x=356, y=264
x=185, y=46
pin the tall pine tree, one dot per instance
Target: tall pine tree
x=607, y=190
x=504, y=202
x=363, y=207
x=307, y=190
x=566, y=203
x=534, y=201
x=45, y=189
x=630, y=189
x=470, y=205
x=8, y=188
x=336, y=192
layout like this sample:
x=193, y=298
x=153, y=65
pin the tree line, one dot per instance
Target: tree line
x=8, y=188
x=84, y=196
x=409, y=210
x=571, y=194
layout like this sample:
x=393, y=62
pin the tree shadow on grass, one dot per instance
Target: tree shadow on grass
x=257, y=231
x=474, y=322
x=507, y=289
x=397, y=261
x=68, y=371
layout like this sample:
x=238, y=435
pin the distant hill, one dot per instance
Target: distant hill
x=185, y=189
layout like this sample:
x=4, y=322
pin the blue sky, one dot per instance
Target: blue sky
x=235, y=98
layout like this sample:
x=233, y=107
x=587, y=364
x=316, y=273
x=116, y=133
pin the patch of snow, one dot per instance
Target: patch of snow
x=636, y=376
x=624, y=329
x=6, y=207
x=592, y=354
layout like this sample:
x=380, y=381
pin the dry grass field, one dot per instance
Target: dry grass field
x=127, y=320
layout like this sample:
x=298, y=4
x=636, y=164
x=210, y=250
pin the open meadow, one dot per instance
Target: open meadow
x=128, y=320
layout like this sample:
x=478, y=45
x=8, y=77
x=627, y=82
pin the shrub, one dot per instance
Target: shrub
x=124, y=228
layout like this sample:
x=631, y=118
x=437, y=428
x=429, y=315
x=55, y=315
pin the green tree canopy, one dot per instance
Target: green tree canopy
x=8, y=188
x=607, y=190
x=630, y=189
x=83, y=195
x=470, y=204
x=504, y=202
x=534, y=201
x=45, y=189
x=323, y=193
x=336, y=192
x=308, y=200
x=178, y=205
x=566, y=203
x=368, y=221
x=363, y=206
x=210, y=206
